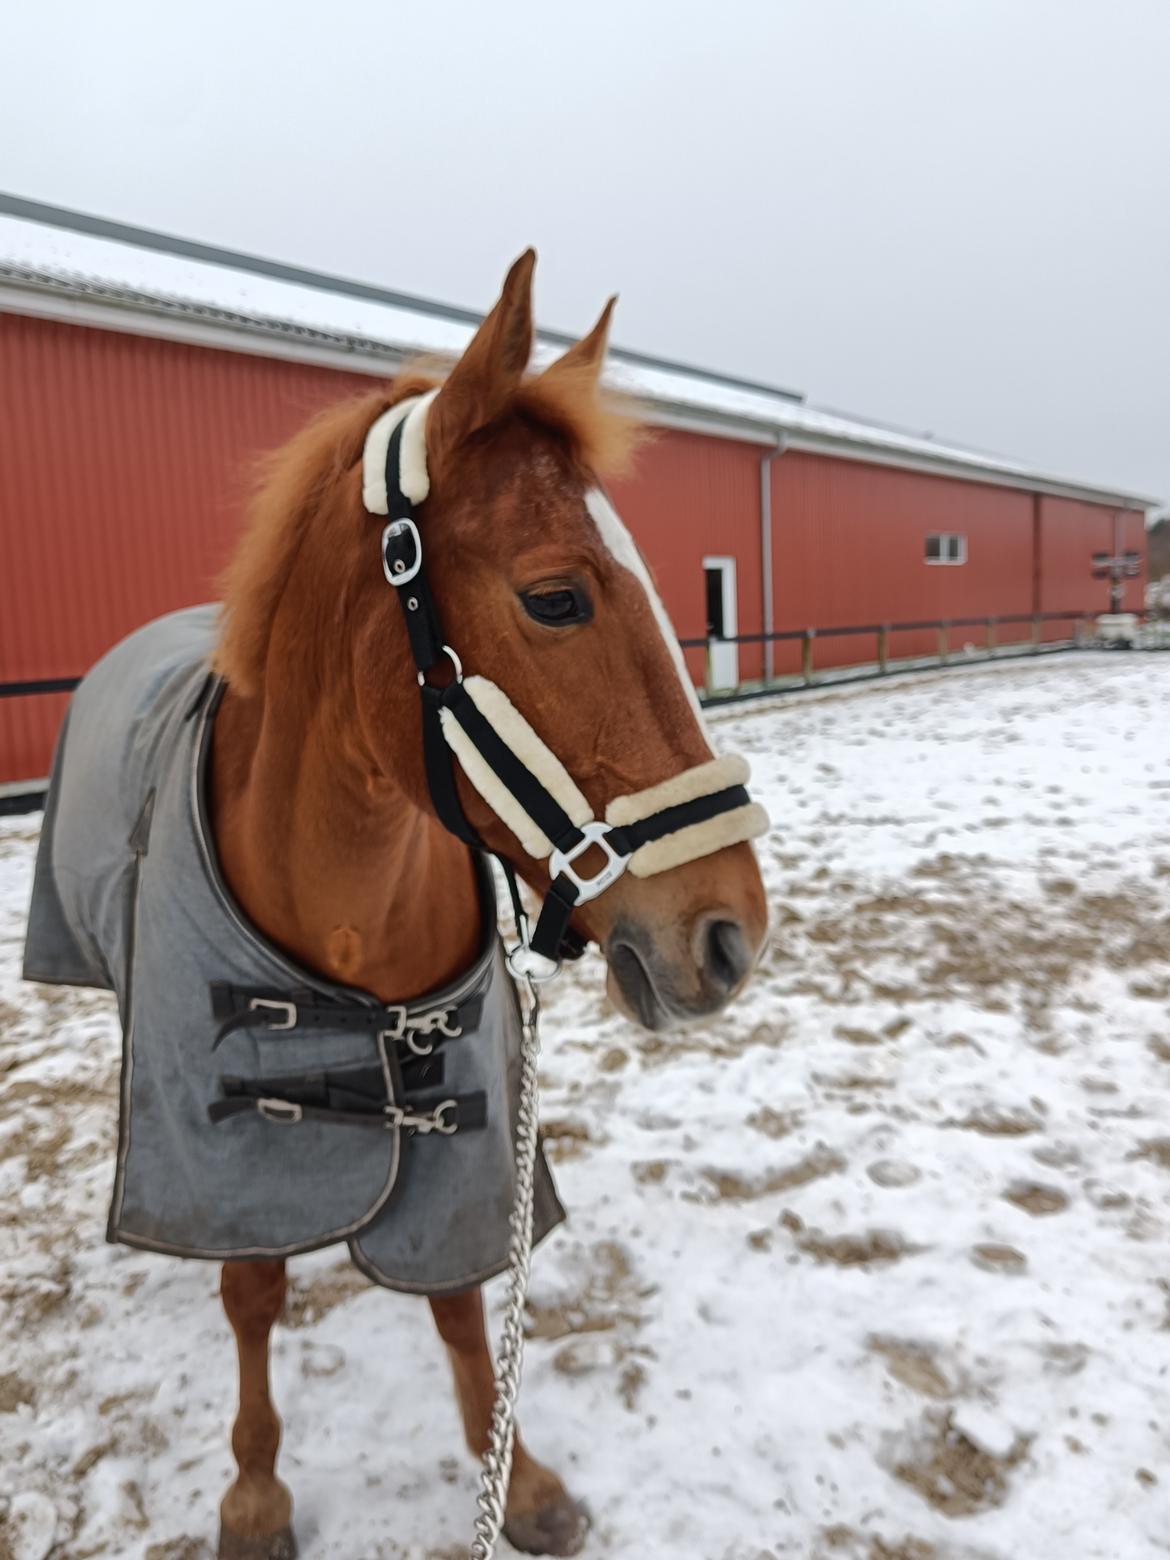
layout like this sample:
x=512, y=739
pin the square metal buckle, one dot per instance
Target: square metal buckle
x=284, y=1112
x=396, y=1031
x=289, y=1009
x=401, y=573
x=560, y=863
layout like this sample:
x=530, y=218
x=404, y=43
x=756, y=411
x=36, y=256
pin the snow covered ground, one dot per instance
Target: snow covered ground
x=873, y=1268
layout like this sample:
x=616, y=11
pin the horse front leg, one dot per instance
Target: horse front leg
x=542, y=1518
x=256, y=1512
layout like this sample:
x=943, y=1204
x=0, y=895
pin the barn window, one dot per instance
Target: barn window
x=946, y=547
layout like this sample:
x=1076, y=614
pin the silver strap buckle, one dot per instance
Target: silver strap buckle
x=401, y=573
x=434, y=1121
x=289, y=1009
x=560, y=863
x=409, y=1027
x=438, y=1022
x=396, y=1030
x=284, y=1112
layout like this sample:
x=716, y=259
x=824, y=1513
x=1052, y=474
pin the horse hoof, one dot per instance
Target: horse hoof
x=262, y=1546
x=556, y=1529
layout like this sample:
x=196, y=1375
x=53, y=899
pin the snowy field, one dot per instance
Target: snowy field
x=873, y=1268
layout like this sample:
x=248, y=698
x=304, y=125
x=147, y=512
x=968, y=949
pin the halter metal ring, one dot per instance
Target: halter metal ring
x=404, y=574
x=560, y=863
x=524, y=963
x=456, y=664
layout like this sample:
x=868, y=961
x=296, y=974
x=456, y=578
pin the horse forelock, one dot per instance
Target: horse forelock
x=300, y=495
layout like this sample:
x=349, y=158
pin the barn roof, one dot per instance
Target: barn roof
x=67, y=265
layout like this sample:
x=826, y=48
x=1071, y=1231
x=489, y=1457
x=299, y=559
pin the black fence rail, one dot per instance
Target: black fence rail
x=883, y=632
x=24, y=690
x=806, y=637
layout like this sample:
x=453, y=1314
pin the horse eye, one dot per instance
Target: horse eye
x=557, y=608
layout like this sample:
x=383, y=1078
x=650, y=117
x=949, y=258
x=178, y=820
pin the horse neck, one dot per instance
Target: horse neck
x=330, y=859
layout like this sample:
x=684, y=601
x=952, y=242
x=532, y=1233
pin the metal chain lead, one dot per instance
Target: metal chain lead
x=497, y=1459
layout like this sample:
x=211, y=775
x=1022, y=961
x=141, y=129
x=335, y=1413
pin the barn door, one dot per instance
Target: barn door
x=722, y=621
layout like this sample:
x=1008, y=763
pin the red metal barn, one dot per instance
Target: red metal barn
x=140, y=377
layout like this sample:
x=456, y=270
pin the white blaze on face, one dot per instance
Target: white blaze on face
x=624, y=549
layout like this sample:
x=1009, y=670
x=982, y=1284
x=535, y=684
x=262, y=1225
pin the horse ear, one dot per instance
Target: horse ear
x=585, y=359
x=488, y=374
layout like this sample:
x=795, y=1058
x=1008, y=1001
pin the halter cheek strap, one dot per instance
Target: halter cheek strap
x=702, y=810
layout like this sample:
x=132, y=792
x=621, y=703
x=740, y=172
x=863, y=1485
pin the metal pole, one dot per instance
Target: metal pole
x=1116, y=588
x=766, y=563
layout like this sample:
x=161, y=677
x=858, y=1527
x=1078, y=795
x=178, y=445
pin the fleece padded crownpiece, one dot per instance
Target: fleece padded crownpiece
x=412, y=454
x=499, y=711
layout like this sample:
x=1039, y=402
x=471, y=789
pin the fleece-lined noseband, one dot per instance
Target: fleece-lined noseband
x=702, y=810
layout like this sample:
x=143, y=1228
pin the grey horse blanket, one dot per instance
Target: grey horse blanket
x=128, y=896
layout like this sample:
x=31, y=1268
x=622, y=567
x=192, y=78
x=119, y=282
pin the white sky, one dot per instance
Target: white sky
x=953, y=214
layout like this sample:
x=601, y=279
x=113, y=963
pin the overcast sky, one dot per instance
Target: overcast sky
x=950, y=214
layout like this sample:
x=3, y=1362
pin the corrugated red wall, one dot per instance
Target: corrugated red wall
x=124, y=466
x=1070, y=533
x=126, y=460
x=850, y=549
x=690, y=497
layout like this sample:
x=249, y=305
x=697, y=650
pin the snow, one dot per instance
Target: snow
x=873, y=1266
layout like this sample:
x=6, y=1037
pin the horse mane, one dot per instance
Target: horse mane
x=297, y=483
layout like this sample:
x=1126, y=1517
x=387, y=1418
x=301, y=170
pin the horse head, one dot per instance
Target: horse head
x=543, y=595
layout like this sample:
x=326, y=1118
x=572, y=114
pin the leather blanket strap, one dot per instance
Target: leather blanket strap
x=358, y=1101
x=237, y=1008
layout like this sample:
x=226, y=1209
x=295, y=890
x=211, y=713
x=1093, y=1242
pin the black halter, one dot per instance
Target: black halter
x=553, y=938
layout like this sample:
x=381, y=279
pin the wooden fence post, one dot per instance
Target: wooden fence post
x=1036, y=630
x=884, y=648
x=944, y=643
x=806, y=655
x=992, y=638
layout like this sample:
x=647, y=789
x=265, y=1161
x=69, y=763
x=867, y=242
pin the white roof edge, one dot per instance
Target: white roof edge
x=112, y=285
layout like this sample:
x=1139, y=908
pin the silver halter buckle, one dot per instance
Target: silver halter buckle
x=560, y=863
x=402, y=573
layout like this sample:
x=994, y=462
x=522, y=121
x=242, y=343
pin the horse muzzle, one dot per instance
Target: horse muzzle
x=661, y=981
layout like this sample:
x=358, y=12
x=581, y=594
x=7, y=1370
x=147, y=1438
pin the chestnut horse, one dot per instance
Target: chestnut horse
x=324, y=826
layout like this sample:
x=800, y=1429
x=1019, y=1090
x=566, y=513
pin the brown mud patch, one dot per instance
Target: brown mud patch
x=873, y=1248
x=998, y=1121
x=994, y=1258
x=1156, y=1150
x=954, y=1475
x=306, y=1303
x=777, y=1123
x=609, y=1298
x=1036, y=1198
x=732, y=1186
x=15, y=1391
x=564, y=1138
x=841, y=1542
x=914, y=1365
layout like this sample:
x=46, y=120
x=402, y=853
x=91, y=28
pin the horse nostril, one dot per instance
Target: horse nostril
x=726, y=958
